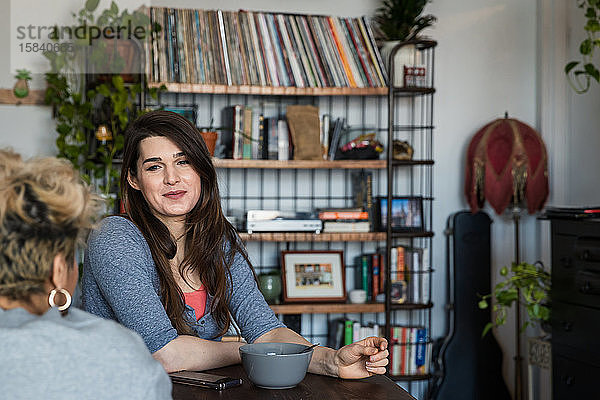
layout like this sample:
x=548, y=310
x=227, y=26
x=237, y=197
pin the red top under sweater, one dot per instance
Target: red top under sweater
x=196, y=300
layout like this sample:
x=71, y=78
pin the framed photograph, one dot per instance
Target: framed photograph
x=407, y=213
x=313, y=275
x=188, y=112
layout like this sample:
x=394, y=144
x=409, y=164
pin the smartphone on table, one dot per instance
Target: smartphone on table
x=217, y=382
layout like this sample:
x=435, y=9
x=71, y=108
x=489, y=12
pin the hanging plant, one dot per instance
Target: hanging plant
x=581, y=73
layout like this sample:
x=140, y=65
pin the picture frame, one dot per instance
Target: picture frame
x=313, y=276
x=407, y=213
x=188, y=112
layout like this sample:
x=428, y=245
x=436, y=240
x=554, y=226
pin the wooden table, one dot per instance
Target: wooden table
x=312, y=387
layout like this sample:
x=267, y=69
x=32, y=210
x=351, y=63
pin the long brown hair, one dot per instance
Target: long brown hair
x=211, y=242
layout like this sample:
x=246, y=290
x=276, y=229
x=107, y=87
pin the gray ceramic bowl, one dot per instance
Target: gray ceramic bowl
x=275, y=365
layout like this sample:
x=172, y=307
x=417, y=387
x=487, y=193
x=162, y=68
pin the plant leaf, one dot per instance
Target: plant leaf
x=91, y=5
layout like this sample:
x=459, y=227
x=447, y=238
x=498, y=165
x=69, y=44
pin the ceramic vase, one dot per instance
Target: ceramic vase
x=270, y=286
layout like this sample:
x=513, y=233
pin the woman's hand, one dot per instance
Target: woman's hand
x=362, y=359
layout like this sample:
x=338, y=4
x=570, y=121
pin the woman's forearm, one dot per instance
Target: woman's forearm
x=195, y=354
x=323, y=360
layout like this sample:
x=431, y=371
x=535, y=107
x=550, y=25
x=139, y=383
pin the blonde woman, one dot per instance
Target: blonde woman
x=48, y=349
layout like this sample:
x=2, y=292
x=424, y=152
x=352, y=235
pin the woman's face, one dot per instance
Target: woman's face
x=166, y=179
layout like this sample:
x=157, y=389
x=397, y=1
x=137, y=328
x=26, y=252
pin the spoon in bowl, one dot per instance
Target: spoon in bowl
x=308, y=348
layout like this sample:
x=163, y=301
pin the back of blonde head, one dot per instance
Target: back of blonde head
x=44, y=209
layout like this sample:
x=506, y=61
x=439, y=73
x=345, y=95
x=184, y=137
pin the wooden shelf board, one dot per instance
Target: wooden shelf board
x=410, y=306
x=299, y=164
x=412, y=91
x=328, y=308
x=412, y=234
x=311, y=164
x=268, y=90
x=36, y=97
x=312, y=237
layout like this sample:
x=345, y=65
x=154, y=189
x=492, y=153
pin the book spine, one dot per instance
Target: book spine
x=425, y=264
x=379, y=64
x=365, y=273
x=341, y=52
x=375, y=275
x=247, y=133
x=348, y=332
x=356, y=331
x=420, y=352
x=268, y=49
x=398, y=350
x=224, y=46
x=283, y=140
x=289, y=52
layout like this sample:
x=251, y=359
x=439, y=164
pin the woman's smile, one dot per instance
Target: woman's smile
x=175, y=194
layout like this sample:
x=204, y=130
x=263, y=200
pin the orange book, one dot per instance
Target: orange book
x=403, y=351
x=401, y=266
x=338, y=44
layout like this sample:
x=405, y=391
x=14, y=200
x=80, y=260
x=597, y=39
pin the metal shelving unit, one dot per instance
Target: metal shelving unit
x=410, y=117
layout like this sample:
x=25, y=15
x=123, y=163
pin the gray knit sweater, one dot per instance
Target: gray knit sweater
x=79, y=356
x=120, y=282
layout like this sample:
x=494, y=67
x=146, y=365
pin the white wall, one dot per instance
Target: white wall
x=486, y=64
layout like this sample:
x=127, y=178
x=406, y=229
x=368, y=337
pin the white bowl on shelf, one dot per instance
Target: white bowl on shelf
x=357, y=296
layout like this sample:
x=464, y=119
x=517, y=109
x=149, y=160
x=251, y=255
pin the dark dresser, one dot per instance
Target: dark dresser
x=575, y=308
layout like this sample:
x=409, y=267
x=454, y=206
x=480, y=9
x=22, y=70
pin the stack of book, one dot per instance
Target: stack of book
x=370, y=274
x=409, y=350
x=345, y=220
x=345, y=331
x=409, y=271
x=263, y=49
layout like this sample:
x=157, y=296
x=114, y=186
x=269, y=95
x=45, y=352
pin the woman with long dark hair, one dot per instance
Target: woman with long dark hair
x=176, y=271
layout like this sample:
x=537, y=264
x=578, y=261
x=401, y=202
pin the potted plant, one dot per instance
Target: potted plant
x=580, y=78
x=398, y=21
x=82, y=107
x=21, y=88
x=525, y=284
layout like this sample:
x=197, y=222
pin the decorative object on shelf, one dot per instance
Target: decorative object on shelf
x=357, y=296
x=402, y=150
x=210, y=138
x=507, y=162
x=313, y=275
x=402, y=20
x=304, y=125
x=362, y=147
x=580, y=79
x=103, y=135
x=270, y=286
x=21, y=88
x=407, y=213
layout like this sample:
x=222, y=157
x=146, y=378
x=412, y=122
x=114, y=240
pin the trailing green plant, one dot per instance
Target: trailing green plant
x=531, y=282
x=80, y=107
x=581, y=73
x=402, y=19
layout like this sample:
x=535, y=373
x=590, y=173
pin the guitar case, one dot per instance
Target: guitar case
x=470, y=366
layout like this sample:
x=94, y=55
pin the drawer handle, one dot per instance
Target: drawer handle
x=569, y=381
x=586, y=287
x=566, y=262
x=586, y=255
x=567, y=326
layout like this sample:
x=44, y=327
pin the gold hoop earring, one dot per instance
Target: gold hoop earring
x=65, y=293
